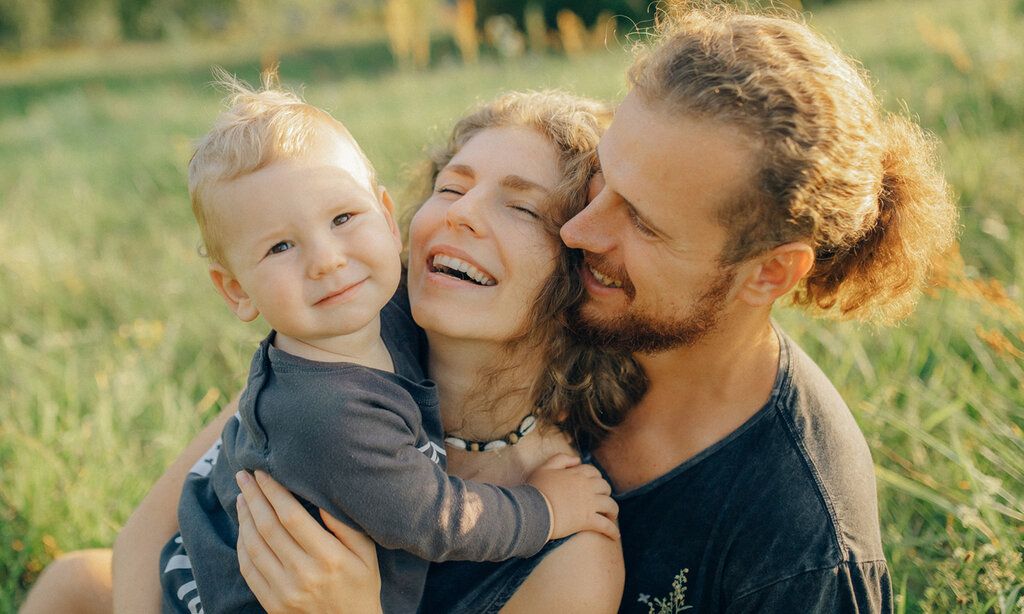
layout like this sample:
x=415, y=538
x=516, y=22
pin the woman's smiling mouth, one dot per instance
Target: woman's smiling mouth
x=457, y=268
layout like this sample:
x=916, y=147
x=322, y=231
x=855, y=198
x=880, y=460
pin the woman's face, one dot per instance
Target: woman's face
x=479, y=253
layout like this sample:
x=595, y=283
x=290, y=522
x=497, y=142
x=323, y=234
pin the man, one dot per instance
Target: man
x=748, y=160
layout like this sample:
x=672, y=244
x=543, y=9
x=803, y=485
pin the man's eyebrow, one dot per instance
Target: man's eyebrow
x=522, y=184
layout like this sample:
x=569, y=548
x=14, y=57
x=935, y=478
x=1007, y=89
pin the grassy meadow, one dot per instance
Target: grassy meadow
x=114, y=348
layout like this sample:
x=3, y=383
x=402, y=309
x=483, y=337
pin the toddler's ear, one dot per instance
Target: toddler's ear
x=389, y=213
x=234, y=295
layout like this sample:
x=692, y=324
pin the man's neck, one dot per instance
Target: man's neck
x=697, y=395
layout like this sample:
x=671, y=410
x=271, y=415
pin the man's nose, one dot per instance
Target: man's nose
x=591, y=228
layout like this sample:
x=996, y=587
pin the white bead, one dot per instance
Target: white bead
x=494, y=445
x=455, y=442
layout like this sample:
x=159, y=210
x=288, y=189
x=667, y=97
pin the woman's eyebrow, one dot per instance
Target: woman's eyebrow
x=460, y=169
x=522, y=184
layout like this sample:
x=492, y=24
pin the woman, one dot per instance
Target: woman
x=500, y=353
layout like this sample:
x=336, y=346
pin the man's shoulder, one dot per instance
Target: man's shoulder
x=786, y=498
x=834, y=449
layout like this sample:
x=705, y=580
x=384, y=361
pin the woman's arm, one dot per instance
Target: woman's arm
x=293, y=565
x=137, y=547
x=585, y=574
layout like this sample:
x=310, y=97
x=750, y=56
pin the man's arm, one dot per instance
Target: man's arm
x=154, y=521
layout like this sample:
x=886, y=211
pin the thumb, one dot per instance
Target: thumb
x=353, y=539
x=561, y=461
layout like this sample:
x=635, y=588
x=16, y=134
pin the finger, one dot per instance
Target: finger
x=606, y=506
x=561, y=461
x=250, y=572
x=602, y=525
x=601, y=486
x=266, y=520
x=357, y=542
x=252, y=545
x=312, y=540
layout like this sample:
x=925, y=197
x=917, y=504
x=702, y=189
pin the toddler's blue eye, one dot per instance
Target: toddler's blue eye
x=341, y=219
x=283, y=246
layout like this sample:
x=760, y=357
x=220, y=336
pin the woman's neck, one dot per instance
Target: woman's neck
x=457, y=366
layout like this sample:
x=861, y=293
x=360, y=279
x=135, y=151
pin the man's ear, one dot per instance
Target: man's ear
x=389, y=213
x=775, y=273
x=237, y=299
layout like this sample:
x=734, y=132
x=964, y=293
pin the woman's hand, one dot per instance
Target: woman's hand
x=292, y=564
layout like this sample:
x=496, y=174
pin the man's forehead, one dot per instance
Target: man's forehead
x=651, y=153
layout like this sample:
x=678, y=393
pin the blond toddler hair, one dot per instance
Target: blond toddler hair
x=257, y=128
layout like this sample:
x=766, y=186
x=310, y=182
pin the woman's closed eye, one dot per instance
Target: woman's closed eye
x=526, y=209
x=450, y=189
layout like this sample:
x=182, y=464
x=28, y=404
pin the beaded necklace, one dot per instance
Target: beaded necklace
x=525, y=426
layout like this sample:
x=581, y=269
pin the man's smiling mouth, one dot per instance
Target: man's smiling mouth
x=603, y=279
x=460, y=269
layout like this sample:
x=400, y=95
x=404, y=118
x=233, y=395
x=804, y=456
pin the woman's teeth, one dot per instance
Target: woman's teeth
x=605, y=280
x=460, y=269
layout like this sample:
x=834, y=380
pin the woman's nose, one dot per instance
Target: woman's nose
x=466, y=213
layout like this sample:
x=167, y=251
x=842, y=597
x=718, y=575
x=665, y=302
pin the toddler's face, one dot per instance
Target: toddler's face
x=307, y=242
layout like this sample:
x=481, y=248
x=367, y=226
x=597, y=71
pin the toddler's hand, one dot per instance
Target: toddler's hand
x=578, y=496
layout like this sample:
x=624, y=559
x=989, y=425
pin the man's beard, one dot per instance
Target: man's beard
x=638, y=332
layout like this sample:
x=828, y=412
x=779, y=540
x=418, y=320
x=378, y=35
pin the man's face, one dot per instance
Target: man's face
x=651, y=236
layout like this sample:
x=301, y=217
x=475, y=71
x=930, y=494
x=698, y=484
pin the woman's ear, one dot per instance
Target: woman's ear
x=234, y=295
x=776, y=273
x=389, y=213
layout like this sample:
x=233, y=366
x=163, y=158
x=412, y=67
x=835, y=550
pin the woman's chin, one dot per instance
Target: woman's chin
x=460, y=320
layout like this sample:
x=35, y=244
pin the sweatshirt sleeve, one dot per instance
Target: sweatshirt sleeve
x=353, y=454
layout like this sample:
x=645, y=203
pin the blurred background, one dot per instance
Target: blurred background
x=114, y=349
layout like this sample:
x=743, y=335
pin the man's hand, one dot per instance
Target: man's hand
x=579, y=498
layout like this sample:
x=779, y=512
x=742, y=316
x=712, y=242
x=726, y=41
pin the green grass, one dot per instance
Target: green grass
x=114, y=348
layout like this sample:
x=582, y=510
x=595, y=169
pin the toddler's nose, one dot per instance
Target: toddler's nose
x=325, y=259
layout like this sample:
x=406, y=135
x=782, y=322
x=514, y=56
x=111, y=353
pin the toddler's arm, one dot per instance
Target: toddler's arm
x=362, y=462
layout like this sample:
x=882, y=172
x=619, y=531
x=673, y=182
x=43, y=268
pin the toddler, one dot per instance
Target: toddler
x=337, y=407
